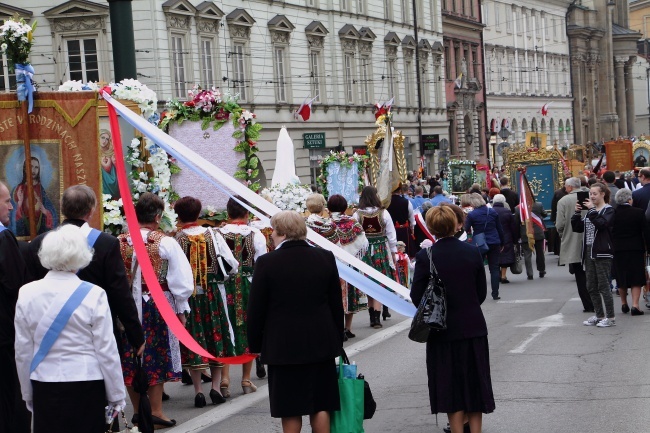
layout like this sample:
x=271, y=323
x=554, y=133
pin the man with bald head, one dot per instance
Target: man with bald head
x=12, y=277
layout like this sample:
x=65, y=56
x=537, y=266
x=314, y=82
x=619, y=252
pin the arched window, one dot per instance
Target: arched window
x=515, y=130
x=552, y=132
x=560, y=129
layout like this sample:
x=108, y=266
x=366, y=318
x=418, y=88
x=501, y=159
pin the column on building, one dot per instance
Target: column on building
x=629, y=87
x=620, y=83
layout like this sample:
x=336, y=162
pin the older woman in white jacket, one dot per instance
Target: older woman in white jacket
x=68, y=390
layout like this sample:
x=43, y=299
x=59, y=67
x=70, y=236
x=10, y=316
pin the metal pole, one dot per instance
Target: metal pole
x=417, y=75
x=123, y=42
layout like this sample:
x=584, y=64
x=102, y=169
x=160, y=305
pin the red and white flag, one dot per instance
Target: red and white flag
x=526, y=215
x=544, y=109
x=383, y=108
x=304, y=111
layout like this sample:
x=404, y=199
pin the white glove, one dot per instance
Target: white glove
x=30, y=405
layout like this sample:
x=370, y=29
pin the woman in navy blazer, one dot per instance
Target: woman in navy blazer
x=295, y=320
x=458, y=365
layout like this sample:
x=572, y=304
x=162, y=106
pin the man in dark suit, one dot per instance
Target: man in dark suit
x=512, y=198
x=12, y=277
x=641, y=197
x=295, y=320
x=106, y=270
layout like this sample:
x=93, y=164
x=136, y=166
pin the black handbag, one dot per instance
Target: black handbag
x=517, y=267
x=432, y=311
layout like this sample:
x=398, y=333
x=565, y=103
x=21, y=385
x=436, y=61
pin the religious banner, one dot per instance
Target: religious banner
x=641, y=153
x=543, y=169
x=462, y=175
x=536, y=140
x=61, y=136
x=342, y=173
x=619, y=155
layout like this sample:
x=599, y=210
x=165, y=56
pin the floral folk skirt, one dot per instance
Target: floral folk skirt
x=158, y=357
x=378, y=257
x=209, y=326
x=354, y=300
x=238, y=288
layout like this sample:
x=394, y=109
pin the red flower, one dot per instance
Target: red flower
x=251, y=143
x=221, y=114
x=189, y=104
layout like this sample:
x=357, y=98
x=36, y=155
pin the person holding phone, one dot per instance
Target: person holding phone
x=597, y=251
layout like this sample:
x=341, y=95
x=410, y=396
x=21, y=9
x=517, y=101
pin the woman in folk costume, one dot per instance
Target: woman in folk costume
x=211, y=262
x=318, y=220
x=162, y=356
x=247, y=244
x=352, y=239
x=380, y=231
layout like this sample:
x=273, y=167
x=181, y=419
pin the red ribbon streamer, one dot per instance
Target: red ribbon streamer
x=166, y=311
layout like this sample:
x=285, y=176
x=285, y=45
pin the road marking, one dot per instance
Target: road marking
x=542, y=325
x=524, y=301
x=575, y=299
x=233, y=407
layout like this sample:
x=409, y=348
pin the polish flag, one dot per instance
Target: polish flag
x=305, y=109
x=383, y=108
x=545, y=108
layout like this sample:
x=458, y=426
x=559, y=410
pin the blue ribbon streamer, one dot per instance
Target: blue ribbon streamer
x=25, y=88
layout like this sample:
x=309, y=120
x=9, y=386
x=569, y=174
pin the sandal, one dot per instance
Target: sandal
x=224, y=386
x=248, y=388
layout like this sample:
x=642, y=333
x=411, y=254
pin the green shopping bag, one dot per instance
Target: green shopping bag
x=350, y=418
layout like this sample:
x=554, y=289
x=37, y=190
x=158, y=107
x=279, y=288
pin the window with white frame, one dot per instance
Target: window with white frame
x=508, y=20
x=239, y=77
x=280, y=72
x=554, y=25
x=81, y=55
x=365, y=75
x=179, y=61
x=7, y=80
x=408, y=78
x=538, y=28
x=343, y=4
x=424, y=80
x=499, y=73
x=511, y=73
x=392, y=78
x=315, y=72
x=361, y=6
x=388, y=9
x=438, y=81
x=497, y=16
x=562, y=30
x=312, y=3
x=406, y=13
x=544, y=28
x=419, y=8
x=485, y=12
x=348, y=75
x=488, y=74
x=208, y=70
x=433, y=6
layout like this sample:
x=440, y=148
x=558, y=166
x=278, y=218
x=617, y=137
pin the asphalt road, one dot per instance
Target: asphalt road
x=550, y=373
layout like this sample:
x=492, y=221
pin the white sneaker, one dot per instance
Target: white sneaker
x=592, y=321
x=606, y=323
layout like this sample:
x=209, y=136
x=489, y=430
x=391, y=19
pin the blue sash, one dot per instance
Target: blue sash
x=59, y=323
x=92, y=237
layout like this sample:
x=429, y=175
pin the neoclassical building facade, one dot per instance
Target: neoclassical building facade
x=349, y=54
x=603, y=54
x=527, y=67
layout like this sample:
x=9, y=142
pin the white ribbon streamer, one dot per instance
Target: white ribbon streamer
x=174, y=147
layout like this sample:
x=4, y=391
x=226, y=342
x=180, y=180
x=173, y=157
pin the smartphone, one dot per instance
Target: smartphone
x=582, y=197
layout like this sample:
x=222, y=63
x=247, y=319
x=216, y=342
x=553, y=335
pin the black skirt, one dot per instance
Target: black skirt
x=69, y=407
x=304, y=389
x=459, y=376
x=629, y=268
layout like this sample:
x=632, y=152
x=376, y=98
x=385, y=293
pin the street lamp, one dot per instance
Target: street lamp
x=469, y=138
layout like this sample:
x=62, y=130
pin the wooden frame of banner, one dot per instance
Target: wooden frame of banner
x=541, y=157
x=373, y=141
x=638, y=146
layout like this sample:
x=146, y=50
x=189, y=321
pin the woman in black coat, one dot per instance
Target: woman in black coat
x=629, y=236
x=458, y=360
x=510, y=234
x=295, y=320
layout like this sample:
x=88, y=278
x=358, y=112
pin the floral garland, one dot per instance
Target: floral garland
x=211, y=107
x=346, y=160
x=289, y=197
x=142, y=154
x=211, y=213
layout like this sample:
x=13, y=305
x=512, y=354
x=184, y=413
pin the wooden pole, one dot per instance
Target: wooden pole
x=28, y=173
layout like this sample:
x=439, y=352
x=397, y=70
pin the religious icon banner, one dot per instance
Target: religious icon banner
x=619, y=155
x=63, y=145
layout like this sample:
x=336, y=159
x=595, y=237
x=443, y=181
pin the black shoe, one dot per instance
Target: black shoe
x=636, y=312
x=345, y=337
x=260, y=371
x=135, y=419
x=371, y=313
x=385, y=314
x=349, y=333
x=465, y=428
x=541, y=274
x=377, y=322
x=186, y=378
x=165, y=396
x=496, y=298
x=162, y=422
x=199, y=400
x=647, y=305
x=205, y=378
x=625, y=309
x=530, y=277
x=588, y=311
x=216, y=397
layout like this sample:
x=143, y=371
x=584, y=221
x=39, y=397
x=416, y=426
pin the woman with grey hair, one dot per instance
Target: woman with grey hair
x=67, y=382
x=630, y=237
x=296, y=327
